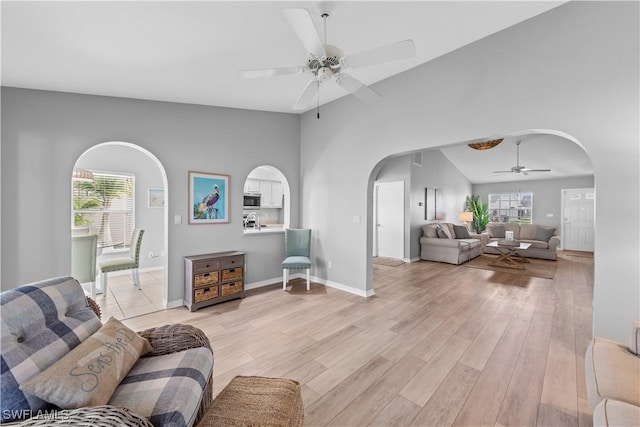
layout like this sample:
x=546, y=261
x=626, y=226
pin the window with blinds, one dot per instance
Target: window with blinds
x=511, y=207
x=105, y=206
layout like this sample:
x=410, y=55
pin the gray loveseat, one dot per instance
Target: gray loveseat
x=543, y=238
x=49, y=326
x=446, y=242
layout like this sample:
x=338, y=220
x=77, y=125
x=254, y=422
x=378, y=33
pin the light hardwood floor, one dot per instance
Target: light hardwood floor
x=437, y=345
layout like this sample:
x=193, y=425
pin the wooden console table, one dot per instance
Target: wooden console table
x=213, y=278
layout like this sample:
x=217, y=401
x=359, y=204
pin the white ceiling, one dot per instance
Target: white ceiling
x=191, y=52
x=537, y=151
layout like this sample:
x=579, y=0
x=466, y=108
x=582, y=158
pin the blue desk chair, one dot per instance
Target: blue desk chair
x=130, y=263
x=83, y=259
x=297, y=250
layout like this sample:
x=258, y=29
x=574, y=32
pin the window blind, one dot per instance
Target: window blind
x=511, y=207
x=106, y=206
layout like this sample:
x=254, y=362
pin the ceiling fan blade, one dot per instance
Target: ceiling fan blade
x=357, y=88
x=502, y=171
x=536, y=170
x=269, y=72
x=307, y=95
x=387, y=53
x=302, y=24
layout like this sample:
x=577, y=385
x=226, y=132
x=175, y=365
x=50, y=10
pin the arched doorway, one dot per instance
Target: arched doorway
x=403, y=166
x=147, y=206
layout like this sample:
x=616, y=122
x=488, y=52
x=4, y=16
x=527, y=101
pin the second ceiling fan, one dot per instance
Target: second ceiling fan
x=325, y=61
x=519, y=168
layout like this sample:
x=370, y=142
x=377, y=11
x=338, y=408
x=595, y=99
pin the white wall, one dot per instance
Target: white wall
x=44, y=133
x=569, y=70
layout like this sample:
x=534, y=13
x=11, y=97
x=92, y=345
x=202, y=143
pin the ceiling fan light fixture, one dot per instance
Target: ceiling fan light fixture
x=485, y=145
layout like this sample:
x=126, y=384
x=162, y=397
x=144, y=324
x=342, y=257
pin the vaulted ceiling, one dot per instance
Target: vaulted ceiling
x=191, y=52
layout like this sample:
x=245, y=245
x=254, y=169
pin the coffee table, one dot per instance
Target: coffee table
x=509, y=256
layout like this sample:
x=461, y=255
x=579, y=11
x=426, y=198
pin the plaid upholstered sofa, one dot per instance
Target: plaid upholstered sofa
x=57, y=355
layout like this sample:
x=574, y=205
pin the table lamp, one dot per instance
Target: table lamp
x=465, y=217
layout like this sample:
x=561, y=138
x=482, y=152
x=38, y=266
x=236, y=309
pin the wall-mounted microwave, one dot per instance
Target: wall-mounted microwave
x=251, y=201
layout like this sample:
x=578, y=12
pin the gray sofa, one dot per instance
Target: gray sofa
x=446, y=242
x=543, y=238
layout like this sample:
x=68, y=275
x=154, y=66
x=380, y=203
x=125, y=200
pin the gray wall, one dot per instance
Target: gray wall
x=547, y=196
x=569, y=71
x=44, y=133
x=437, y=172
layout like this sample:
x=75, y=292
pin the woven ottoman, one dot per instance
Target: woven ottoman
x=257, y=401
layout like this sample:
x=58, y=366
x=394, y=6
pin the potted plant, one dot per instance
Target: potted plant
x=480, y=213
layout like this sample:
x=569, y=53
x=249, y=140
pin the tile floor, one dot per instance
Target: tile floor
x=124, y=300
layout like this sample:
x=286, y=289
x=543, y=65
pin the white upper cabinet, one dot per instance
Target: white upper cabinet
x=271, y=194
x=252, y=186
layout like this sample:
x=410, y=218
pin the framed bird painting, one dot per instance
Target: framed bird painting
x=208, y=198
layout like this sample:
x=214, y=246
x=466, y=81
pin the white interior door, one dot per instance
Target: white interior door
x=389, y=220
x=578, y=213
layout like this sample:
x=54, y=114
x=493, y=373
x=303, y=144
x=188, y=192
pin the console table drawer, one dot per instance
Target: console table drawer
x=205, y=279
x=231, y=288
x=231, y=273
x=232, y=261
x=204, y=266
x=203, y=294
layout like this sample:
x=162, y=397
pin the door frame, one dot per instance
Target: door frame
x=563, y=194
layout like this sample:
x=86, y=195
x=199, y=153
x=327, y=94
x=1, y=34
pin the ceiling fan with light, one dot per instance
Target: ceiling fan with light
x=325, y=61
x=519, y=168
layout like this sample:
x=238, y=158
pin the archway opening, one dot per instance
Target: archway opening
x=267, y=200
x=144, y=205
x=414, y=165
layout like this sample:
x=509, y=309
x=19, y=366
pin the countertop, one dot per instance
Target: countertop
x=268, y=229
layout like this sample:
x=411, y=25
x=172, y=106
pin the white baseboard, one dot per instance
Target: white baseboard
x=173, y=304
x=336, y=285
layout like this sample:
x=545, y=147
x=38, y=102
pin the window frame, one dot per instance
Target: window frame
x=128, y=210
x=514, y=213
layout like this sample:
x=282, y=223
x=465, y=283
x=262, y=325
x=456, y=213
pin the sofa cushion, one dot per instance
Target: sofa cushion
x=467, y=244
x=527, y=231
x=544, y=233
x=536, y=243
x=441, y=233
x=166, y=389
x=612, y=371
x=461, y=232
x=430, y=230
x=88, y=374
x=496, y=231
x=610, y=413
x=40, y=323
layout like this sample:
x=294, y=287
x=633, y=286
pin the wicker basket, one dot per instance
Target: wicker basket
x=232, y=273
x=231, y=288
x=206, y=279
x=257, y=401
x=204, y=294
